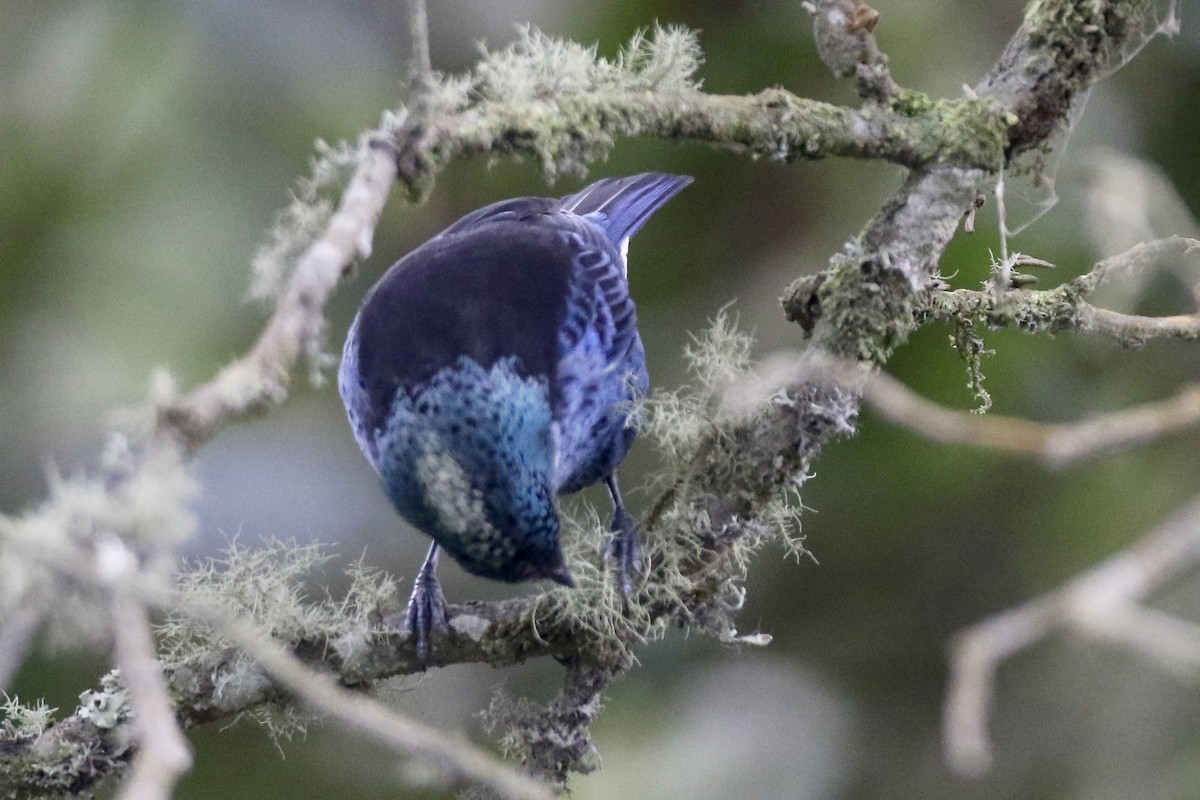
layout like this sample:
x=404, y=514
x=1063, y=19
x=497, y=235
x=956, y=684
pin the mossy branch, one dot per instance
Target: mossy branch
x=1066, y=307
x=567, y=132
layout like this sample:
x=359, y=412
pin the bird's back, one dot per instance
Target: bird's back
x=531, y=283
x=496, y=365
x=482, y=294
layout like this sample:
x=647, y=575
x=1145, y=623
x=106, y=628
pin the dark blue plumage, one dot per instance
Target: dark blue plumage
x=495, y=366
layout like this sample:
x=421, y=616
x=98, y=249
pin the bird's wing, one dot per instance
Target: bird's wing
x=599, y=312
x=601, y=366
x=611, y=209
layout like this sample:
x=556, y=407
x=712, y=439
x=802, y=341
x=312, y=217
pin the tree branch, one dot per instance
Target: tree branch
x=1064, y=307
x=418, y=32
x=567, y=131
x=259, y=380
x=1103, y=603
x=1057, y=445
x=163, y=755
x=98, y=738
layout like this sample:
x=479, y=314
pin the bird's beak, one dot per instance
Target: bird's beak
x=560, y=574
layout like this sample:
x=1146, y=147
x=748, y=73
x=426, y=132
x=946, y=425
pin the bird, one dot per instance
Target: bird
x=497, y=366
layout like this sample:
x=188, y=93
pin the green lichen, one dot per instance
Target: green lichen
x=541, y=91
x=972, y=349
x=552, y=738
x=866, y=306
x=1068, y=47
x=539, y=67
x=981, y=133
x=912, y=103
x=272, y=588
x=303, y=219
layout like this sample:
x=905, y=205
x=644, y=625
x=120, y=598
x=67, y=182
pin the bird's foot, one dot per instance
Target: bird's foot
x=624, y=552
x=426, y=612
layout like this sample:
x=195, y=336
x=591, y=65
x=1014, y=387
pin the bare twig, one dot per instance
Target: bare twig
x=1141, y=256
x=1103, y=603
x=163, y=754
x=16, y=633
x=418, y=31
x=1056, y=444
x=1136, y=329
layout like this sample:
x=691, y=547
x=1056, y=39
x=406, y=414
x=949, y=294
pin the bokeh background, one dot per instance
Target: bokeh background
x=145, y=148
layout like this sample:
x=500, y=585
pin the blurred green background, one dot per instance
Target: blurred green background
x=145, y=148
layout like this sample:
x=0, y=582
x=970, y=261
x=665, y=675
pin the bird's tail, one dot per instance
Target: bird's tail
x=622, y=205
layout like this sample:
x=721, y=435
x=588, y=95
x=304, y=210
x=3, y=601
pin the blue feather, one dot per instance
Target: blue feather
x=620, y=206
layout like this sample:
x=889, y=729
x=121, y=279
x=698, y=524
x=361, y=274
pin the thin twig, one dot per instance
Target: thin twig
x=1064, y=307
x=1056, y=444
x=1141, y=256
x=1102, y=604
x=260, y=379
x=1054, y=310
x=975, y=655
x=16, y=633
x=418, y=31
x=163, y=755
x=1134, y=328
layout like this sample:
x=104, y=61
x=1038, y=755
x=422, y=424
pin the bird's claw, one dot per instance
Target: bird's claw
x=624, y=552
x=426, y=611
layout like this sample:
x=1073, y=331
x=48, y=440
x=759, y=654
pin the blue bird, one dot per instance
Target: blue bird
x=495, y=367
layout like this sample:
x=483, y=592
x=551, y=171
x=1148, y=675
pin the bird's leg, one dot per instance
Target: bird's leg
x=426, y=606
x=623, y=550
